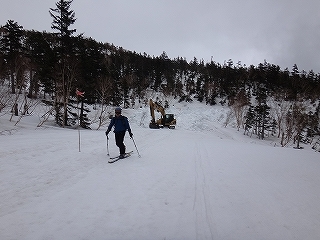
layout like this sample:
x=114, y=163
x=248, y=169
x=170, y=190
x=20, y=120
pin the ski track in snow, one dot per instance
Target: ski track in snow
x=205, y=229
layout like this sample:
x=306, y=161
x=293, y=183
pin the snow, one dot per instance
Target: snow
x=201, y=180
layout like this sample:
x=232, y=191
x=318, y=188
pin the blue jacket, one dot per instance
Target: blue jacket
x=121, y=124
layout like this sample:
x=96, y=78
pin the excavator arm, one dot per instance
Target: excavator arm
x=151, y=104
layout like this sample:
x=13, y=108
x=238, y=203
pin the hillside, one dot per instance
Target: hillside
x=199, y=181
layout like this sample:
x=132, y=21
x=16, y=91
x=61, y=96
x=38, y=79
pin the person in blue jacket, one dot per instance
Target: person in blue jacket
x=121, y=125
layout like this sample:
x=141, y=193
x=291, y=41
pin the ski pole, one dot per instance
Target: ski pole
x=108, y=146
x=136, y=147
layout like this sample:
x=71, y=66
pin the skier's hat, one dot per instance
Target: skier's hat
x=117, y=109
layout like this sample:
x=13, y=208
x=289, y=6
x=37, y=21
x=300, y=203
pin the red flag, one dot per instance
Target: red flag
x=78, y=93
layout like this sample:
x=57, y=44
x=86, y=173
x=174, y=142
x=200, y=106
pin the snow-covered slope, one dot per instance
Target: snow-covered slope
x=199, y=181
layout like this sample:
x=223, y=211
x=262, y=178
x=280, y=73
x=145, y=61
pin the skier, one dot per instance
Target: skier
x=121, y=125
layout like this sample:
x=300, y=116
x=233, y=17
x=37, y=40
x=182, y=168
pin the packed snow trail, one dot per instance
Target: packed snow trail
x=186, y=185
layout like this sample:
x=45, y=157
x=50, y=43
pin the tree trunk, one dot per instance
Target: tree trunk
x=16, y=112
x=13, y=87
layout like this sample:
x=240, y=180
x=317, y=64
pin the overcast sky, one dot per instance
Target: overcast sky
x=282, y=32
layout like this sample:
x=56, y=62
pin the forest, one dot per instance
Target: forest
x=264, y=100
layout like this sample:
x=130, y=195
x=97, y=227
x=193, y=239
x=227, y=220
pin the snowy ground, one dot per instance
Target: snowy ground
x=199, y=181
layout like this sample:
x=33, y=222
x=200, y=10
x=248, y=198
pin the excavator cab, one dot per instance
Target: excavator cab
x=169, y=121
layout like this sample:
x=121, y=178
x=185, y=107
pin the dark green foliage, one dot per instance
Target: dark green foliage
x=84, y=120
x=42, y=58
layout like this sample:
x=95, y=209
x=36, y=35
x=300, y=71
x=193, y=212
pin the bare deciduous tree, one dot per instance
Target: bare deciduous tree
x=104, y=91
x=239, y=107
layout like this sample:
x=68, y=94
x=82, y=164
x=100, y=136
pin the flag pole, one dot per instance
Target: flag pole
x=79, y=95
x=79, y=126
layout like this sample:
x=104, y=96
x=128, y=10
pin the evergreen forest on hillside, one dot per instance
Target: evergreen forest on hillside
x=264, y=100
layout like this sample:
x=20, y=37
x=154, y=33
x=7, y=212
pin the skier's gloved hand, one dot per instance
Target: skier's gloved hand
x=107, y=132
x=130, y=133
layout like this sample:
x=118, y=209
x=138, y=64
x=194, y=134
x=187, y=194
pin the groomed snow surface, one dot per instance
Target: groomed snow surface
x=198, y=181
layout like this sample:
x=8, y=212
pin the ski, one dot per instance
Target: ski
x=118, y=158
x=119, y=155
x=114, y=159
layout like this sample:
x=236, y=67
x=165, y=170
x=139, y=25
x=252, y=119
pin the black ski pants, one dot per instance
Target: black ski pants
x=119, y=141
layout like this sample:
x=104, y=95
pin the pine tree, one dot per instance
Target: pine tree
x=262, y=111
x=300, y=120
x=63, y=18
x=249, y=120
x=262, y=119
x=11, y=46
